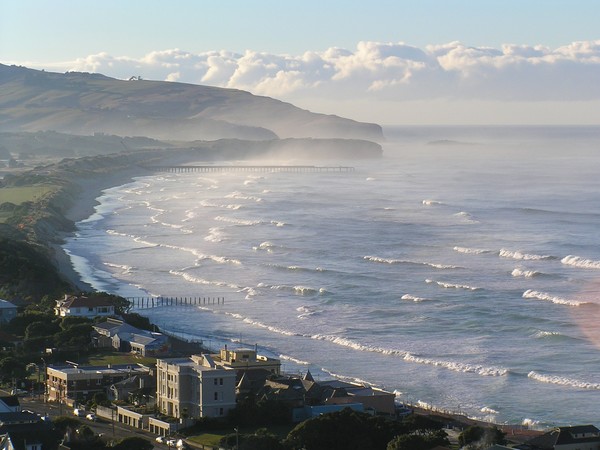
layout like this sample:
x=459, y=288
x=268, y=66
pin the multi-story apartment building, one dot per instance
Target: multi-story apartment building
x=194, y=387
x=74, y=383
x=246, y=359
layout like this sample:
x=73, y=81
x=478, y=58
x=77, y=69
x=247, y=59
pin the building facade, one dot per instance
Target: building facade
x=194, y=387
x=71, y=384
x=82, y=306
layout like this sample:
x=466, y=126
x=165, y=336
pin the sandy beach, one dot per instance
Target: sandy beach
x=82, y=208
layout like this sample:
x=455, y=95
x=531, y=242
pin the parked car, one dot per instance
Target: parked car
x=91, y=416
x=171, y=442
x=79, y=412
x=161, y=439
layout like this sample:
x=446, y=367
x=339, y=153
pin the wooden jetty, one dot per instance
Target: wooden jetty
x=156, y=302
x=263, y=169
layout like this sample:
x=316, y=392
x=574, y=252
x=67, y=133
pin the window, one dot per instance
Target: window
x=220, y=411
x=216, y=396
x=221, y=381
x=216, y=381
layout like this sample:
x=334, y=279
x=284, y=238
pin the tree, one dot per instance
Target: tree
x=346, y=429
x=134, y=443
x=479, y=437
x=11, y=367
x=419, y=441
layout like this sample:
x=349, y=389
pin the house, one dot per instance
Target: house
x=582, y=437
x=84, y=306
x=194, y=387
x=127, y=338
x=72, y=383
x=8, y=311
x=25, y=430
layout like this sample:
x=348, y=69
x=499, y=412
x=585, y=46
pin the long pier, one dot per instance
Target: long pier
x=291, y=169
x=155, y=302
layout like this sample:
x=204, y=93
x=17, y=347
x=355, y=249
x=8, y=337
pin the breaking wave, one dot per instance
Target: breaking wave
x=471, y=251
x=525, y=273
x=412, y=298
x=583, y=263
x=530, y=293
x=377, y=259
x=458, y=366
x=562, y=381
x=431, y=203
x=237, y=221
x=504, y=253
x=452, y=285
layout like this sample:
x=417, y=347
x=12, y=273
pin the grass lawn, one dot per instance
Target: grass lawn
x=18, y=195
x=207, y=439
x=105, y=358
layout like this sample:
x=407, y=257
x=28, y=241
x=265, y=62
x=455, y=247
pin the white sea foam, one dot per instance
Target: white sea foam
x=458, y=366
x=241, y=196
x=431, y=203
x=267, y=246
x=300, y=290
x=504, y=253
x=215, y=234
x=471, y=251
x=453, y=285
x=530, y=423
x=582, y=263
x=544, y=334
x=124, y=268
x=517, y=272
x=355, y=345
x=377, y=259
x=488, y=410
x=192, y=279
x=235, y=221
x=271, y=328
x=412, y=298
x=294, y=360
x=562, y=381
x=530, y=293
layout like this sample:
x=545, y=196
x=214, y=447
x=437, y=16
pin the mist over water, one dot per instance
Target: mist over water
x=460, y=270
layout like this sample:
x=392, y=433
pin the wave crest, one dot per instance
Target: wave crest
x=452, y=285
x=471, y=251
x=530, y=293
x=562, y=381
x=583, y=263
x=504, y=253
x=525, y=273
x=458, y=366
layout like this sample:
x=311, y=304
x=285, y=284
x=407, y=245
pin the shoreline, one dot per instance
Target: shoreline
x=83, y=207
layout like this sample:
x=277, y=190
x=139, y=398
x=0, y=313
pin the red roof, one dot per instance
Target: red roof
x=74, y=302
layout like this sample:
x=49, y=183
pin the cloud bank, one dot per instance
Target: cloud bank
x=375, y=70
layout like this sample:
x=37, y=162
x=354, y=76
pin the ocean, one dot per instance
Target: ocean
x=460, y=270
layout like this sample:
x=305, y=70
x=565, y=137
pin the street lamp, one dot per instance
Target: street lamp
x=237, y=438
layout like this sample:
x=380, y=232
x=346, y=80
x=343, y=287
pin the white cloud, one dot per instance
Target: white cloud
x=390, y=71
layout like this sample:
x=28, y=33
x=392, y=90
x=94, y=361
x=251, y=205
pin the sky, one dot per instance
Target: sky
x=417, y=62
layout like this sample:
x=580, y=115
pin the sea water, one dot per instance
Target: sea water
x=459, y=271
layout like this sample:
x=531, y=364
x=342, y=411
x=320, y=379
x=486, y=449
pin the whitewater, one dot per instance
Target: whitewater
x=460, y=270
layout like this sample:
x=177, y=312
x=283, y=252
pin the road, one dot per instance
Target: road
x=110, y=431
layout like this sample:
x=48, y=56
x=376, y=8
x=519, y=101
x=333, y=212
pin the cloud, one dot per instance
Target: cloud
x=379, y=71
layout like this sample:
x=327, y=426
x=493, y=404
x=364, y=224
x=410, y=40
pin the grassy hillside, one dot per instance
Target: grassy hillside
x=82, y=103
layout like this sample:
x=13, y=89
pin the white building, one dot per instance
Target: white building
x=82, y=306
x=194, y=387
x=7, y=311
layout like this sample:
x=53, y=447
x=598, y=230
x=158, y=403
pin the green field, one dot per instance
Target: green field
x=107, y=358
x=18, y=195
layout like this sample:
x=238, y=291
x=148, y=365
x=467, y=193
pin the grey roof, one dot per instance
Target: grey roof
x=6, y=304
